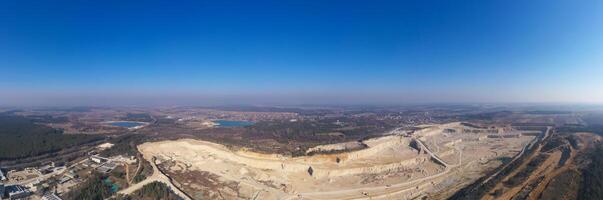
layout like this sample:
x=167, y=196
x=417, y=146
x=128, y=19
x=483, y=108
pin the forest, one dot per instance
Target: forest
x=21, y=138
x=92, y=189
x=592, y=177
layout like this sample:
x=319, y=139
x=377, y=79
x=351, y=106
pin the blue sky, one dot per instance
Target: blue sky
x=291, y=52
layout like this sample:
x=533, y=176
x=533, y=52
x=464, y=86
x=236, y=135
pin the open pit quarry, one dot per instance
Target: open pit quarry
x=432, y=162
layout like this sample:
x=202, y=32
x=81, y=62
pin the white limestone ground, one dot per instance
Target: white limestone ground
x=388, y=168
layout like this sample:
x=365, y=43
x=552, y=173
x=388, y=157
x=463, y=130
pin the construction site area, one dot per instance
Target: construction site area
x=432, y=161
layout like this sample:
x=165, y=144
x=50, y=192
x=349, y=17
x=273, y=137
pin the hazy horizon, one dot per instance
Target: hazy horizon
x=265, y=100
x=274, y=53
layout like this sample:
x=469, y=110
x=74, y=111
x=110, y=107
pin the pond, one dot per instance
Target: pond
x=229, y=123
x=114, y=187
x=126, y=124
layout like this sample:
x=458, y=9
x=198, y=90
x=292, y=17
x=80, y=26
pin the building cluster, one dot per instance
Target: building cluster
x=106, y=165
x=21, y=192
x=13, y=191
x=31, y=183
x=25, y=183
x=16, y=191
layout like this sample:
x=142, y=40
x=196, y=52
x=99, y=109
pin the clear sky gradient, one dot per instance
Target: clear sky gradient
x=295, y=52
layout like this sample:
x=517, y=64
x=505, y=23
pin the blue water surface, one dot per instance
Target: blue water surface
x=114, y=187
x=229, y=123
x=126, y=124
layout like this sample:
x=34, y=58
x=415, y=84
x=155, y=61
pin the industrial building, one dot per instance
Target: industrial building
x=51, y=196
x=64, y=179
x=17, y=191
x=1, y=190
x=107, y=167
x=2, y=177
x=98, y=159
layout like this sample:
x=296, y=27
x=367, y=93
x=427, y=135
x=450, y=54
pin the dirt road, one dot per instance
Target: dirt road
x=156, y=176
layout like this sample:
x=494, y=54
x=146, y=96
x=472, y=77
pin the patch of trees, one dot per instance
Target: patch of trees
x=93, y=189
x=335, y=151
x=124, y=145
x=548, y=112
x=486, y=116
x=592, y=177
x=596, y=128
x=573, y=140
x=525, y=127
x=21, y=138
x=145, y=170
x=565, y=154
x=523, y=175
x=533, y=124
x=594, y=118
x=525, y=191
x=67, y=109
x=154, y=191
x=563, y=186
x=504, y=159
x=283, y=132
x=140, y=117
x=10, y=112
x=553, y=144
x=261, y=109
x=313, y=130
x=48, y=119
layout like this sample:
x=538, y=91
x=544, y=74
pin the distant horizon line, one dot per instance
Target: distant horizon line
x=252, y=105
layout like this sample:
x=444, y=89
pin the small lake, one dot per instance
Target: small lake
x=228, y=123
x=126, y=124
x=114, y=187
